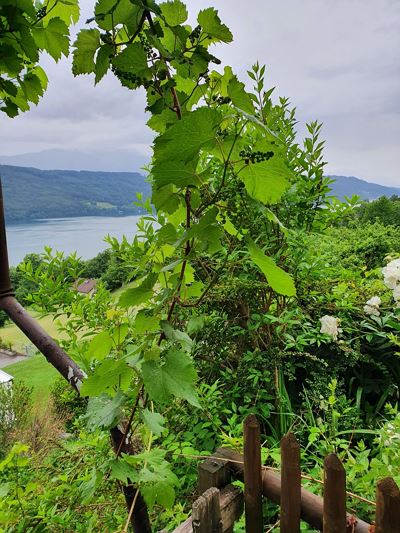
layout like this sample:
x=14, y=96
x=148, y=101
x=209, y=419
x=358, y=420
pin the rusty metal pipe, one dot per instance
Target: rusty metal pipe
x=54, y=354
x=5, y=282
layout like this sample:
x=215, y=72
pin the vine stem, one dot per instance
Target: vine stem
x=125, y=529
x=129, y=424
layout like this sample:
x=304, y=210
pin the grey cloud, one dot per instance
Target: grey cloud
x=337, y=61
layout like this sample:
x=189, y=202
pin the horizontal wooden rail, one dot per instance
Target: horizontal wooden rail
x=311, y=504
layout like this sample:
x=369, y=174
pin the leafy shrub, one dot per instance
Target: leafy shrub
x=15, y=410
x=67, y=404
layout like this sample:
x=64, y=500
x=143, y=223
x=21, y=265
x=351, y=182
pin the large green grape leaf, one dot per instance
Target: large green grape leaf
x=211, y=24
x=104, y=412
x=279, y=280
x=176, y=173
x=110, y=13
x=183, y=140
x=133, y=60
x=103, y=61
x=10, y=61
x=138, y=295
x=28, y=44
x=23, y=5
x=86, y=44
x=100, y=346
x=175, y=377
x=266, y=181
x=66, y=10
x=106, y=377
x=240, y=98
x=174, y=12
x=154, y=421
x=32, y=87
x=54, y=38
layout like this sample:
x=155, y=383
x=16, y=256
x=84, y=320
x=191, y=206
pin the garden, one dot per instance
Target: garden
x=247, y=289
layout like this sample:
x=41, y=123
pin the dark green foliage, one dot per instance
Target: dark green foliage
x=34, y=194
x=116, y=274
x=15, y=410
x=22, y=285
x=26, y=30
x=3, y=318
x=384, y=210
x=68, y=406
x=96, y=267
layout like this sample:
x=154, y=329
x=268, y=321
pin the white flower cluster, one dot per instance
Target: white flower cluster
x=372, y=306
x=330, y=326
x=391, y=278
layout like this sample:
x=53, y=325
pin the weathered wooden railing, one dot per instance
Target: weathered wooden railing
x=221, y=504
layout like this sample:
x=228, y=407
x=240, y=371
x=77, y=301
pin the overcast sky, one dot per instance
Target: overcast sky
x=337, y=60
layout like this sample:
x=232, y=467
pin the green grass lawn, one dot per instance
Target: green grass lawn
x=11, y=333
x=37, y=373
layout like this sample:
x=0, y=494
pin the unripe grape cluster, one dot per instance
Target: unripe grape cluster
x=194, y=36
x=255, y=157
x=41, y=12
x=133, y=78
x=222, y=99
x=106, y=37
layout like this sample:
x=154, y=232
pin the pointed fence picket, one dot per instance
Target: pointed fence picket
x=221, y=504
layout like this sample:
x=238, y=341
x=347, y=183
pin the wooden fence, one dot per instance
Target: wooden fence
x=221, y=504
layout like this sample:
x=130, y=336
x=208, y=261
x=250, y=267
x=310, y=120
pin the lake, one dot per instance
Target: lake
x=85, y=235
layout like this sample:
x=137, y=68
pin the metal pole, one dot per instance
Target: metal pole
x=5, y=282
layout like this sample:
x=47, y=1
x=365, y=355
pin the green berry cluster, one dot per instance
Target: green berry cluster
x=41, y=12
x=221, y=100
x=194, y=36
x=134, y=79
x=145, y=43
x=255, y=157
x=106, y=37
x=214, y=59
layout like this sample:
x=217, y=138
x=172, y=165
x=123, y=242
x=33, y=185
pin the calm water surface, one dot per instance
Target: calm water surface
x=85, y=235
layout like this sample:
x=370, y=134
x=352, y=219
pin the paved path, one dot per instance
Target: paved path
x=7, y=359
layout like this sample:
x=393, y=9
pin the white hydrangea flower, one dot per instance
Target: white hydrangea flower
x=371, y=308
x=375, y=301
x=330, y=326
x=396, y=293
x=371, y=311
x=391, y=274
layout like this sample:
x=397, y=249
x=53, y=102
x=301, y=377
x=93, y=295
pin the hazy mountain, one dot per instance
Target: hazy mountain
x=116, y=161
x=30, y=193
x=348, y=185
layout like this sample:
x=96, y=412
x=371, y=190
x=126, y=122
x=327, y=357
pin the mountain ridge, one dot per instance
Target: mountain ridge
x=31, y=193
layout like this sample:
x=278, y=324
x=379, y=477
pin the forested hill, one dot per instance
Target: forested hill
x=347, y=186
x=30, y=193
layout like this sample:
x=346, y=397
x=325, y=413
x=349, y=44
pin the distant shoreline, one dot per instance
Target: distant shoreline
x=22, y=221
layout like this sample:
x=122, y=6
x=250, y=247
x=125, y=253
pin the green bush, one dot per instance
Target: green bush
x=15, y=410
x=67, y=404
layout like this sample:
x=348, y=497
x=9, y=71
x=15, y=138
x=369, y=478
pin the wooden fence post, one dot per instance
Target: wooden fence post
x=290, y=485
x=334, y=513
x=387, y=507
x=213, y=473
x=206, y=513
x=252, y=476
